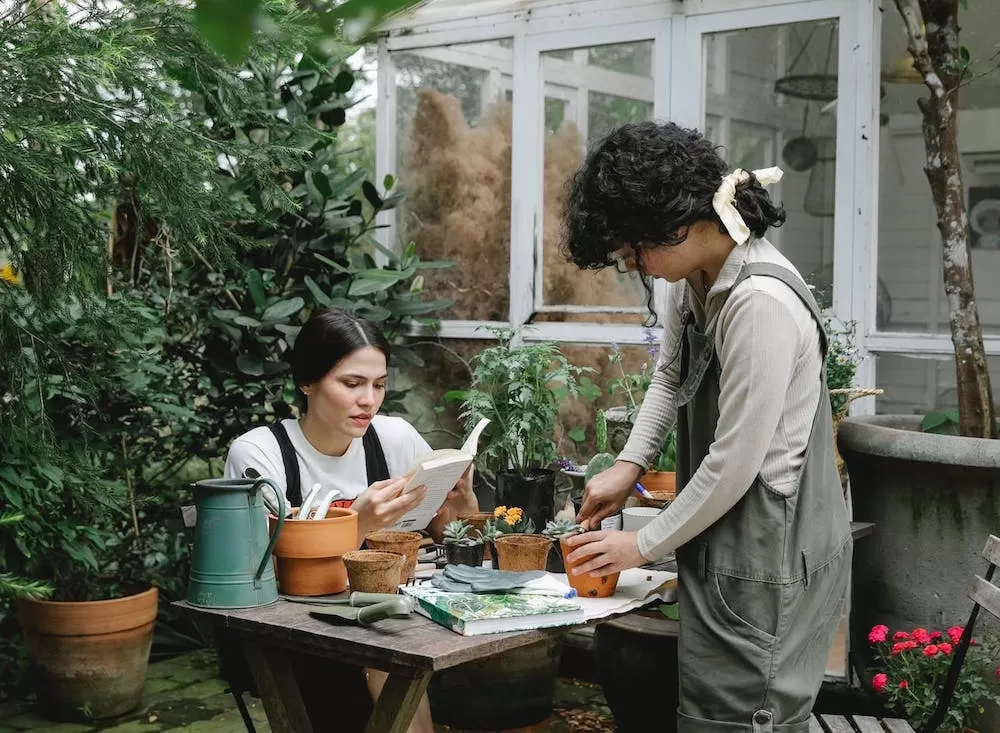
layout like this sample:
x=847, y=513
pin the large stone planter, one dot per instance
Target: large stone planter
x=934, y=499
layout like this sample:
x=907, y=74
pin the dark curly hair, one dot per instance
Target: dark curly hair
x=643, y=185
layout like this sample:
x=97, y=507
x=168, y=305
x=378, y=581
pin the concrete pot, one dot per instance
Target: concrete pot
x=934, y=500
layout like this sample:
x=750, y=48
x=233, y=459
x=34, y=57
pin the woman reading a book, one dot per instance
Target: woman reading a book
x=759, y=525
x=340, y=365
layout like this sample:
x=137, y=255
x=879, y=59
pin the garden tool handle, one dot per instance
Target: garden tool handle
x=277, y=527
x=398, y=607
x=357, y=598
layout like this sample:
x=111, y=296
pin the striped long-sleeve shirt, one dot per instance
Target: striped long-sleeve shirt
x=767, y=344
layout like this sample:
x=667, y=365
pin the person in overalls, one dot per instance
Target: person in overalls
x=759, y=525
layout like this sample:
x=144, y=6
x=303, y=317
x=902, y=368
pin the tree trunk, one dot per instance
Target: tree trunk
x=936, y=56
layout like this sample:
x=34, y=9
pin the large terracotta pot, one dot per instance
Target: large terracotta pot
x=308, y=552
x=90, y=657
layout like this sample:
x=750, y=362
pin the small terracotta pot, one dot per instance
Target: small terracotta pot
x=662, y=486
x=522, y=551
x=586, y=586
x=478, y=521
x=406, y=544
x=373, y=571
x=308, y=552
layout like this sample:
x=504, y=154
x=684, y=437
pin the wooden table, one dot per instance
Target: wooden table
x=410, y=650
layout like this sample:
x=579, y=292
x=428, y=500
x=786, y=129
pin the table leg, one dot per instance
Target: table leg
x=397, y=703
x=279, y=690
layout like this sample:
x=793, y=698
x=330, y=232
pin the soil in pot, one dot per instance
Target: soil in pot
x=661, y=485
x=471, y=555
x=90, y=657
x=406, y=544
x=373, y=571
x=585, y=585
x=309, y=551
x=523, y=551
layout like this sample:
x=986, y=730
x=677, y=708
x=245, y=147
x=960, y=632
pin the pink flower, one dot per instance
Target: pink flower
x=879, y=682
x=998, y=673
x=935, y=635
x=944, y=647
x=900, y=635
x=930, y=650
x=878, y=634
x=921, y=636
x=903, y=684
x=955, y=633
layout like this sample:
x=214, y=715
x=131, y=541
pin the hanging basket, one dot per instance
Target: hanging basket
x=817, y=87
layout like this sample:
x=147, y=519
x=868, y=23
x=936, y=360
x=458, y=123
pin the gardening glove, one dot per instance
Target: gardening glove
x=466, y=579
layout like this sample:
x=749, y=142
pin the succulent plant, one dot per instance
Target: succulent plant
x=460, y=532
x=558, y=527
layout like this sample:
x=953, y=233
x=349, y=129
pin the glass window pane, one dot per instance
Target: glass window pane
x=915, y=386
x=588, y=92
x=910, y=265
x=767, y=102
x=453, y=157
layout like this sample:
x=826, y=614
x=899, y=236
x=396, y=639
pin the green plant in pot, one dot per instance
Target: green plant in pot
x=519, y=387
x=463, y=545
x=505, y=521
x=562, y=529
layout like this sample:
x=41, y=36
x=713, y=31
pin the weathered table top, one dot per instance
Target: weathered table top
x=415, y=644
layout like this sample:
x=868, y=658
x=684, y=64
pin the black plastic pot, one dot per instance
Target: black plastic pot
x=471, y=555
x=533, y=493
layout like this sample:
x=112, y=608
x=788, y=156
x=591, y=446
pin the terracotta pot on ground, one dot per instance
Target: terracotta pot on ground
x=309, y=551
x=586, y=586
x=478, y=521
x=406, y=544
x=523, y=551
x=90, y=656
x=373, y=571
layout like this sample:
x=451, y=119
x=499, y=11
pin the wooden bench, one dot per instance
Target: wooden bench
x=857, y=724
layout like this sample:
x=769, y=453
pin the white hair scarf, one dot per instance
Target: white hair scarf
x=724, y=200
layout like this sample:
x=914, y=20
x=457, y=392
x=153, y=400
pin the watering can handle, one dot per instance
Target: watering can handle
x=280, y=495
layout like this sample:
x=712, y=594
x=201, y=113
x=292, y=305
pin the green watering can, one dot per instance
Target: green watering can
x=231, y=566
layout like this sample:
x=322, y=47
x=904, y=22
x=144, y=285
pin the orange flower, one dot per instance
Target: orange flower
x=499, y=512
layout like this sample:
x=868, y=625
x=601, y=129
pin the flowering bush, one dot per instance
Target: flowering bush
x=912, y=667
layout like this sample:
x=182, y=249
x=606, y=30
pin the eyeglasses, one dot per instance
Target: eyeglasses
x=624, y=260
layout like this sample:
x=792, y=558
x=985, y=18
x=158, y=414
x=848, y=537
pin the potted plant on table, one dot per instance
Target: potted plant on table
x=519, y=387
x=560, y=530
x=505, y=521
x=463, y=545
x=931, y=476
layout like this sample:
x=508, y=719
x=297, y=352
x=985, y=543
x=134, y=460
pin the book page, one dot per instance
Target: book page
x=439, y=471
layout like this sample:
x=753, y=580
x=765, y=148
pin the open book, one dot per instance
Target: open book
x=439, y=471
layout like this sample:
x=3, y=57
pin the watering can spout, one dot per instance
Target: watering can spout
x=231, y=566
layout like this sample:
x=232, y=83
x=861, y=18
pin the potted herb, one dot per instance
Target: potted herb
x=562, y=529
x=519, y=387
x=463, y=545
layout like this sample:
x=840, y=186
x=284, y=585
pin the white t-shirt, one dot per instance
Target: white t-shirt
x=259, y=449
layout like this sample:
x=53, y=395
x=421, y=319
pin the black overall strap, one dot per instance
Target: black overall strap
x=293, y=482
x=377, y=468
